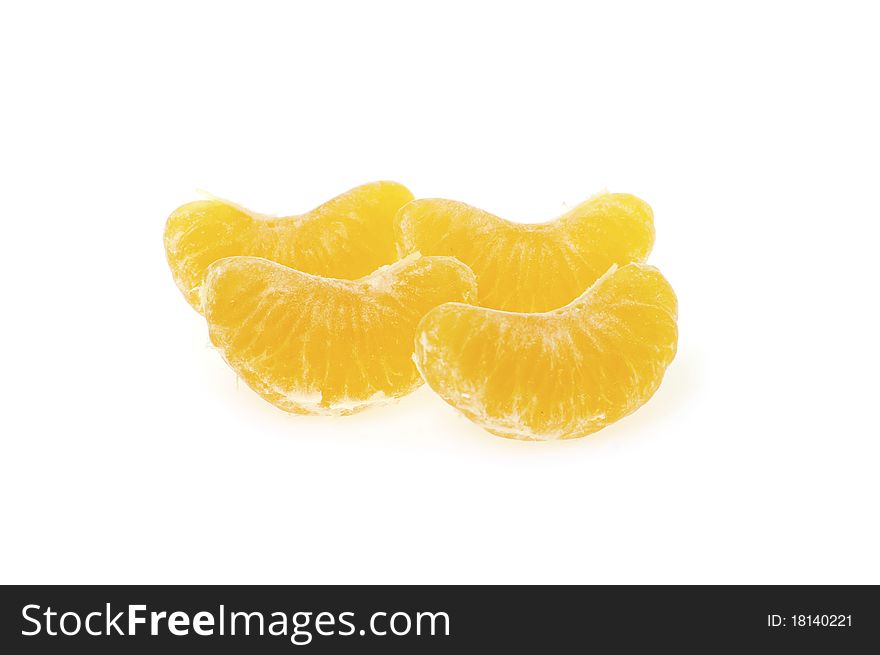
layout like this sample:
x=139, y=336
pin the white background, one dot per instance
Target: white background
x=131, y=455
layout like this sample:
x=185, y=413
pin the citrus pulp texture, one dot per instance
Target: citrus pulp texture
x=347, y=237
x=531, y=267
x=559, y=374
x=317, y=345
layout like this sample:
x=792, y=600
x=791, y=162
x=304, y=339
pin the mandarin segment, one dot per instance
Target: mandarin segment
x=559, y=374
x=317, y=345
x=347, y=237
x=531, y=267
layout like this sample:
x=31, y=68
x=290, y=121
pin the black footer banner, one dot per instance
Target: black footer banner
x=423, y=619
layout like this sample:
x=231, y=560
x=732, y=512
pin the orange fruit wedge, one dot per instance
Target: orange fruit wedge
x=531, y=267
x=559, y=374
x=317, y=345
x=346, y=237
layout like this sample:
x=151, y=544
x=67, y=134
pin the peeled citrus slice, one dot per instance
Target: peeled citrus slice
x=559, y=374
x=531, y=267
x=316, y=345
x=346, y=237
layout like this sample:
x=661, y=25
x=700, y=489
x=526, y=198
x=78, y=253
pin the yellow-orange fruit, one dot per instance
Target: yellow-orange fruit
x=531, y=267
x=316, y=345
x=346, y=237
x=559, y=374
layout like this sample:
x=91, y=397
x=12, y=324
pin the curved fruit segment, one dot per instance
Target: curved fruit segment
x=559, y=374
x=315, y=345
x=347, y=237
x=531, y=267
